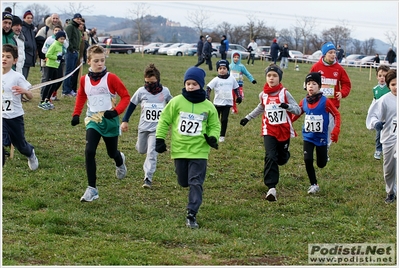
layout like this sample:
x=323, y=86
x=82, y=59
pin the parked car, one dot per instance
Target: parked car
x=295, y=55
x=263, y=53
x=164, y=50
x=150, y=48
x=180, y=50
x=314, y=57
x=232, y=47
x=369, y=60
x=191, y=51
x=353, y=59
x=118, y=45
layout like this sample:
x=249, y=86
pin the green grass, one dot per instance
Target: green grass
x=45, y=224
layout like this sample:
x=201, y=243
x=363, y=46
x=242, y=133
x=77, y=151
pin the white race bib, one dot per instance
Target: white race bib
x=275, y=114
x=99, y=103
x=394, y=126
x=328, y=90
x=313, y=123
x=7, y=104
x=190, y=124
x=152, y=111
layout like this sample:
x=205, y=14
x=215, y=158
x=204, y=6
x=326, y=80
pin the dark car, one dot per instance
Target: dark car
x=118, y=45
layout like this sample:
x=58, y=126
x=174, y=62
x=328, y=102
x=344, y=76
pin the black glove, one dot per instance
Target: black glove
x=254, y=82
x=211, y=141
x=284, y=105
x=238, y=100
x=110, y=114
x=75, y=120
x=379, y=125
x=160, y=145
x=243, y=121
x=59, y=57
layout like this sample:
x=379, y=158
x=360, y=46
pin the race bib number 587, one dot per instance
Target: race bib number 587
x=190, y=124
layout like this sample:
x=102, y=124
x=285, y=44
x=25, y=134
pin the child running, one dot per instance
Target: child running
x=100, y=88
x=315, y=128
x=276, y=105
x=382, y=116
x=378, y=91
x=238, y=70
x=14, y=85
x=223, y=85
x=195, y=128
x=152, y=98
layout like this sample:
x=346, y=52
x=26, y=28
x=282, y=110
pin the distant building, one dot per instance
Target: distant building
x=172, y=23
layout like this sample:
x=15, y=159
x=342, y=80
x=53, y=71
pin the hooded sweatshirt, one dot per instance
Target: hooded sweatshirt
x=238, y=70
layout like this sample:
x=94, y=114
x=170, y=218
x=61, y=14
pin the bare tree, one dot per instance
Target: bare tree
x=141, y=28
x=255, y=29
x=76, y=7
x=13, y=5
x=368, y=46
x=200, y=19
x=305, y=25
x=297, y=36
x=39, y=12
x=357, y=46
x=338, y=35
x=223, y=28
x=391, y=38
x=315, y=43
x=237, y=35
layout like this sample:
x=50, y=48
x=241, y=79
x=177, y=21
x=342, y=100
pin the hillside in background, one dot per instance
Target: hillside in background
x=122, y=27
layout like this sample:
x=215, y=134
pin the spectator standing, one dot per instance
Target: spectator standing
x=190, y=147
x=207, y=52
x=285, y=54
x=336, y=84
x=376, y=60
x=102, y=117
x=384, y=111
x=152, y=98
x=108, y=44
x=20, y=39
x=71, y=58
x=200, y=47
x=28, y=30
x=224, y=47
x=340, y=53
x=274, y=49
x=391, y=56
x=252, y=50
x=8, y=34
x=93, y=39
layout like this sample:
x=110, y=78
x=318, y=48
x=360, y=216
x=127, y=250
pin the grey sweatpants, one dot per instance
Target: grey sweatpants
x=389, y=167
x=146, y=145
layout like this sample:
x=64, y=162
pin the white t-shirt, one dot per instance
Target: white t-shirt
x=223, y=90
x=11, y=103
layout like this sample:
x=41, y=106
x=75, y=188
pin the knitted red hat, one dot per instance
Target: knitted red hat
x=28, y=12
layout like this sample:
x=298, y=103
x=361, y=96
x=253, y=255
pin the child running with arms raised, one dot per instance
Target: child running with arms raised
x=195, y=128
x=276, y=106
x=14, y=85
x=223, y=84
x=100, y=88
x=382, y=116
x=315, y=128
x=152, y=98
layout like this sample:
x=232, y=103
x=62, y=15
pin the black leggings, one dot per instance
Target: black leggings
x=92, y=140
x=321, y=159
x=223, y=112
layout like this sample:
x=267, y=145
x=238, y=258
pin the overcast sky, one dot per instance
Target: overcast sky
x=366, y=19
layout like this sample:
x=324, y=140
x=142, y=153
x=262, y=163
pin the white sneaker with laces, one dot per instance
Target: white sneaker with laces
x=90, y=194
x=313, y=189
x=377, y=155
x=121, y=170
x=33, y=163
x=271, y=195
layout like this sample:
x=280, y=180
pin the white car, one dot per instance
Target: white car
x=150, y=47
x=315, y=57
x=295, y=55
x=352, y=60
x=180, y=50
x=164, y=50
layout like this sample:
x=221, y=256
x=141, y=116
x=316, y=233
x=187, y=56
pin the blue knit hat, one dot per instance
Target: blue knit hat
x=222, y=63
x=59, y=35
x=196, y=74
x=327, y=47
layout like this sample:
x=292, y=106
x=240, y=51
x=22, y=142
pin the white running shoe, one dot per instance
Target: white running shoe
x=121, y=170
x=313, y=189
x=33, y=163
x=90, y=194
x=271, y=195
x=221, y=139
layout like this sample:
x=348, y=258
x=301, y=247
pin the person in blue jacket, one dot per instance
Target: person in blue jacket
x=224, y=47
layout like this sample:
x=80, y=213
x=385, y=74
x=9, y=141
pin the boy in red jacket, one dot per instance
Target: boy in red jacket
x=335, y=82
x=100, y=89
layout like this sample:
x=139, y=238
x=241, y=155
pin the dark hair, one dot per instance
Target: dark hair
x=391, y=74
x=383, y=68
x=151, y=70
x=12, y=49
x=8, y=9
x=201, y=36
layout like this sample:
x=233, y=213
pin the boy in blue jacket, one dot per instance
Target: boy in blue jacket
x=238, y=70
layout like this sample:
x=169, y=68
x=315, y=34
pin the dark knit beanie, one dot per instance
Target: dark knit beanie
x=316, y=77
x=222, y=63
x=60, y=34
x=16, y=21
x=196, y=74
x=275, y=68
x=7, y=16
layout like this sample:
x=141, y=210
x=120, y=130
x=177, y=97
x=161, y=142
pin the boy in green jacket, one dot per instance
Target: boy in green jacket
x=195, y=127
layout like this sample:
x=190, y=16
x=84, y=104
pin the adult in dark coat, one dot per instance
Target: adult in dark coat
x=207, y=52
x=28, y=30
x=274, y=49
x=340, y=53
x=200, y=46
x=391, y=56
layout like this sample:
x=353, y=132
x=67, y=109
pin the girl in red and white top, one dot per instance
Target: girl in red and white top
x=277, y=106
x=100, y=89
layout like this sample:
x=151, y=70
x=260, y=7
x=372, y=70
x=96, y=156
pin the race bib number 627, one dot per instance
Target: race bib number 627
x=190, y=124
